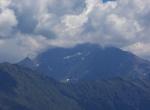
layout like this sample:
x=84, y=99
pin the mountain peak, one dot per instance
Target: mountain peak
x=89, y=62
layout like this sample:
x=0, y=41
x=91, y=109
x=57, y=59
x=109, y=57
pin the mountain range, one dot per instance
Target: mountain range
x=88, y=62
x=84, y=77
x=25, y=89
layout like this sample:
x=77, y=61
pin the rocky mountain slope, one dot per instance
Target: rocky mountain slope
x=89, y=62
x=24, y=89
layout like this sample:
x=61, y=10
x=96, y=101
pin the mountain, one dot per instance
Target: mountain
x=114, y=94
x=25, y=89
x=27, y=62
x=89, y=62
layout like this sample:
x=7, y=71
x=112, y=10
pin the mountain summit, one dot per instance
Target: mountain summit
x=89, y=62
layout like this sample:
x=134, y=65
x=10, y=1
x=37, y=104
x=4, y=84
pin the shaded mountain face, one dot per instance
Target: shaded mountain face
x=25, y=89
x=89, y=62
x=116, y=94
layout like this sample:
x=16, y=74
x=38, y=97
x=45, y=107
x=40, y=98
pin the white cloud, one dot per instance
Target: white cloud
x=4, y=4
x=7, y=19
x=76, y=21
x=140, y=48
x=16, y=48
x=121, y=23
x=7, y=22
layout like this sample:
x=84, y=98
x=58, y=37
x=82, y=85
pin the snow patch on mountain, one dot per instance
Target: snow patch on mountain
x=72, y=56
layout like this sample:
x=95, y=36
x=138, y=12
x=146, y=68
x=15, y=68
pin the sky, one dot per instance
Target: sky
x=27, y=27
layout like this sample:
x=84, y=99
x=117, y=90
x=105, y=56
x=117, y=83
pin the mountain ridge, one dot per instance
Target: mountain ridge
x=89, y=61
x=24, y=89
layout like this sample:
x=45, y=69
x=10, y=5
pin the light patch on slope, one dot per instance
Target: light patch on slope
x=72, y=56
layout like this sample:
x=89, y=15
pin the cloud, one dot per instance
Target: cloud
x=76, y=21
x=140, y=48
x=22, y=45
x=29, y=27
x=7, y=19
x=4, y=4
